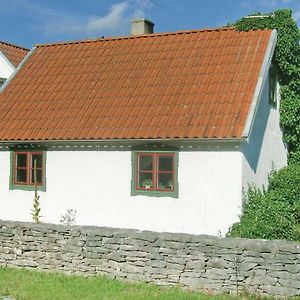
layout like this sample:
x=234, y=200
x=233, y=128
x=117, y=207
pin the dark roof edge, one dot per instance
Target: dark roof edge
x=13, y=45
x=240, y=139
x=138, y=36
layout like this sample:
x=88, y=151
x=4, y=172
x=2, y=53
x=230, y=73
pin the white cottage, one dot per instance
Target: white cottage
x=151, y=131
x=10, y=57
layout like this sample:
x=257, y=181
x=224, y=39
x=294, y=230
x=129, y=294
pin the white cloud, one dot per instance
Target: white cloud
x=116, y=21
x=141, y=8
x=113, y=20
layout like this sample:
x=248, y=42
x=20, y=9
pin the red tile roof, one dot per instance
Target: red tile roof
x=13, y=53
x=193, y=84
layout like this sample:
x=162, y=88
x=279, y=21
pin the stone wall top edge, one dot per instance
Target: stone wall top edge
x=224, y=242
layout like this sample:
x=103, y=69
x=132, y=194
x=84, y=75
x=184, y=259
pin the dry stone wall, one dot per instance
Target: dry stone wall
x=198, y=262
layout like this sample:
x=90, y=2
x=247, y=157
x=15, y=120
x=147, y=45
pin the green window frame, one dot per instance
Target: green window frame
x=21, y=169
x=154, y=173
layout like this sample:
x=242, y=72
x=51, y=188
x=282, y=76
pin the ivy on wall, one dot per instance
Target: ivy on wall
x=287, y=62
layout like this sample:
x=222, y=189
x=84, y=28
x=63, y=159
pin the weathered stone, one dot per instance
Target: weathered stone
x=196, y=264
x=26, y=263
x=171, y=245
x=281, y=275
x=175, y=260
x=73, y=249
x=126, y=268
x=191, y=274
x=137, y=254
x=175, y=266
x=92, y=255
x=217, y=263
x=94, y=243
x=107, y=240
x=258, y=280
x=290, y=283
x=158, y=264
x=192, y=282
x=129, y=247
x=246, y=266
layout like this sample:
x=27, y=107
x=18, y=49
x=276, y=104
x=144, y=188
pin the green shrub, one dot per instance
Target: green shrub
x=275, y=213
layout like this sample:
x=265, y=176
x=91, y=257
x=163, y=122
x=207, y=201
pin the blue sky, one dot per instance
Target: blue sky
x=29, y=22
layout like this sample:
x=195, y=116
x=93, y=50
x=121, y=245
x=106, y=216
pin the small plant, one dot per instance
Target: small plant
x=147, y=183
x=69, y=218
x=36, y=200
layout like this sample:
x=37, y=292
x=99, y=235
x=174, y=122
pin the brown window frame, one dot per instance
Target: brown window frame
x=29, y=168
x=154, y=171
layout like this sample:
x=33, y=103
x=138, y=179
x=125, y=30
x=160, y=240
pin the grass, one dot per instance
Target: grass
x=24, y=284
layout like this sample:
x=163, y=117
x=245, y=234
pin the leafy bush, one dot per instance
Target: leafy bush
x=275, y=213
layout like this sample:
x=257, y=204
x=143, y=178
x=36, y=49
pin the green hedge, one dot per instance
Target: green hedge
x=275, y=213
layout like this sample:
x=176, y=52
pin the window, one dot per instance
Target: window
x=273, y=86
x=2, y=81
x=28, y=167
x=155, y=174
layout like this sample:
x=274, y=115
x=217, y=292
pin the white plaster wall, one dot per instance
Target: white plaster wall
x=97, y=185
x=6, y=68
x=265, y=148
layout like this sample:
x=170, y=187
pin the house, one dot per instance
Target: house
x=10, y=57
x=154, y=131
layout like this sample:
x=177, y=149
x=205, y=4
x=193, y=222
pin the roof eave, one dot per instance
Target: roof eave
x=260, y=84
x=146, y=140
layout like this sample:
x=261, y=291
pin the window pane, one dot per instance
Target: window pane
x=145, y=163
x=39, y=176
x=21, y=175
x=145, y=180
x=21, y=160
x=165, y=181
x=39, y=160
x=165, y=163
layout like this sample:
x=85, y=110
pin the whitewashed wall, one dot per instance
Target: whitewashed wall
x=97, y=185
x=265, y=149
x=6, y=68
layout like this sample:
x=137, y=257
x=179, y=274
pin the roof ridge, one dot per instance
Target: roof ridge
x=112, y=38
x=14, y=45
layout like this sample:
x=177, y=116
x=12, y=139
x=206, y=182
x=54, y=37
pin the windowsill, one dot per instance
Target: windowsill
x=173, y=194
x=40, y=188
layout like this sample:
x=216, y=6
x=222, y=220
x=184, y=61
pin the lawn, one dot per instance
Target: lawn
x=24, y=284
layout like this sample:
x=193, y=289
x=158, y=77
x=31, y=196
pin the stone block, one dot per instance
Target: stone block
x=196, y=264
x=94, y=243
x=26, y=263
x=108, y=240
x=158, y=264
x=290, y=283
x=176, y=266
x=127, y=268
x=217, y=263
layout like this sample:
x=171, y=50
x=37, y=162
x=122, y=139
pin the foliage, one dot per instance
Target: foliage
x=25, y=284
x=69, y=218
x=275, y=213
x=287, y=61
